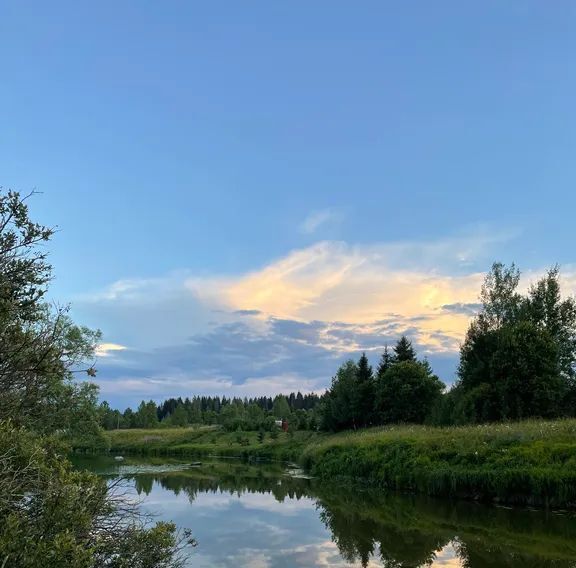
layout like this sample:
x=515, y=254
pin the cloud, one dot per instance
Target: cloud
x=106, y=349
x=318, y=218
x=247, y=312
x=470, y=309
x=289, y=324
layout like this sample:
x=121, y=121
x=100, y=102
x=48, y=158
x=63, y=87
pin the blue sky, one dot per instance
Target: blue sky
x=250, y=192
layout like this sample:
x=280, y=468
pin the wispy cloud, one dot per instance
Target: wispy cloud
x=317, y=219
x=107, y=349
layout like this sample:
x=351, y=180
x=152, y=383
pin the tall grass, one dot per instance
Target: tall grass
x=205, y=441
x=531, y=462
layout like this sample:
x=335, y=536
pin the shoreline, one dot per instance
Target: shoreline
x=531, y=463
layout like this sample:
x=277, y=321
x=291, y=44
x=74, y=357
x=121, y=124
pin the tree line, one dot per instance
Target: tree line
x=248, y=414
x=403, y=389
x=517, y=361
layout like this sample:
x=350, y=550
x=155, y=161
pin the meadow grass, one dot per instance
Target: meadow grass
x=530, y=462
x=208, y=441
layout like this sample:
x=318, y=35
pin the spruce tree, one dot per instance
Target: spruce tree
x=403, y=351
x=386, y=362
x=363, y=397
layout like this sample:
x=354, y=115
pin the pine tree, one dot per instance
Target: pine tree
x=363, y=397
x=386, y=362
x=403, y=351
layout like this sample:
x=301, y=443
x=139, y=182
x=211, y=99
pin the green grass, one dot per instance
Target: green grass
x=206, y=441
x=532, y=462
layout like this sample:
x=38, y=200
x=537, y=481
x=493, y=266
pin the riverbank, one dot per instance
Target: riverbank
x=208, y=441
x=525, y=463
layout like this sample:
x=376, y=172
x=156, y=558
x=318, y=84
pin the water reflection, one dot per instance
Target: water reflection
x=257, y=516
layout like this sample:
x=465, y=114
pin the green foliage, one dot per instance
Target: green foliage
x=518, y=357
x=386, y=362
x=363, y=394
x=180, y=417
x=545, y=308
x=530, y=462
x=527, y=462
x=404, y=390
x=51, y=515
x=146, y=416
x=280, y=408
x=209, y=440
x=249, y=414
x=407, y=392
x=338, y=403
x=403, y=351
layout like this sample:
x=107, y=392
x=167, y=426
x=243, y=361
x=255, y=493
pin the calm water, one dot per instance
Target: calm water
x=264, y=516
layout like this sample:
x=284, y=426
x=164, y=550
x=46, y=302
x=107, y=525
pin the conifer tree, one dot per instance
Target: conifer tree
x=403, y=351
x=386, y=362
x=363, y=396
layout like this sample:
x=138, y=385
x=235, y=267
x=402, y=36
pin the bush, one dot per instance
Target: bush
x=54, y=516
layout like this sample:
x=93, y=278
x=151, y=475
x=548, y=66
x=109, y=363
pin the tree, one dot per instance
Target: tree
x=500, y=299
x=281, y=409
x=386, y=362
x=50, y=514
x=403, y=351
x=509, y=374
x=407, y=392
x=545, y=308
x=195, y=412
x=40, y=347
x=363, y=394
x=146, y=415
x=179, y=416
x=129, y=418
x=518, y=357
x=337, y=404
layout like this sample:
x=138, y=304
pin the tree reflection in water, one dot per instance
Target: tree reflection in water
x=398, y=531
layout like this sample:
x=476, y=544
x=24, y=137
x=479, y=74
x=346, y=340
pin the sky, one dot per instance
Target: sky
x=248, y=193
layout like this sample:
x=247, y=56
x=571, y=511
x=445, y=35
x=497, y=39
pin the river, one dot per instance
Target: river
x=273, y=516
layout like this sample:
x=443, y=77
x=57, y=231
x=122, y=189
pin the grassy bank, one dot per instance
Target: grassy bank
x=531, y=462
x=207, y=441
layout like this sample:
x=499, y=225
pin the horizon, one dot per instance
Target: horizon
x=248, y=197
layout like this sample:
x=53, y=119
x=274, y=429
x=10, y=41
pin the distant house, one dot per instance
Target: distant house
x=282, y=424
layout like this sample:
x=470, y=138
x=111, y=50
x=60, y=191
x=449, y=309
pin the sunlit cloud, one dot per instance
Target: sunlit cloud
x=107, y=349
x=360, y=285
x=287, y=325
